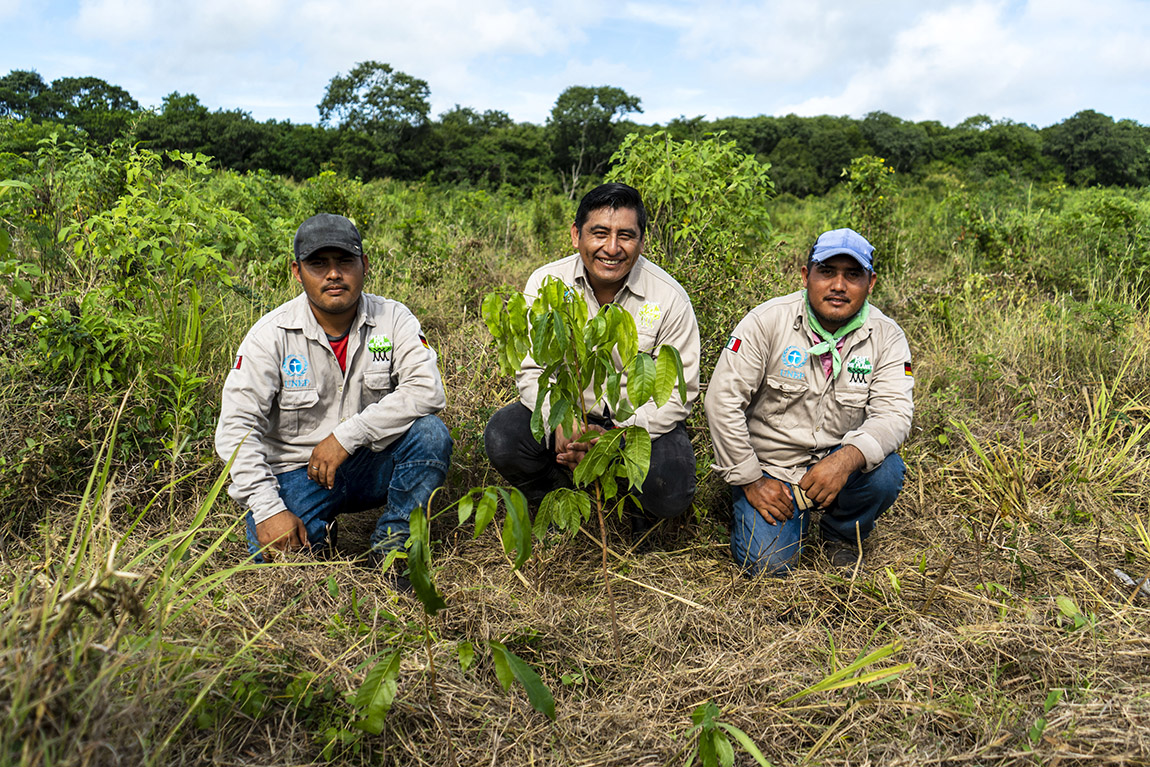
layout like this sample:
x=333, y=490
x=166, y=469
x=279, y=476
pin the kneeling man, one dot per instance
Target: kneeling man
x=808, y=403
x=330, y=405
x=608, y=267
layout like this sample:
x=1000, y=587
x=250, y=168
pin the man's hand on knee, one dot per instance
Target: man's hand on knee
x=826, y=478
x=326, y=457
x=281, y=532
x=771, y=498
x=568, y=452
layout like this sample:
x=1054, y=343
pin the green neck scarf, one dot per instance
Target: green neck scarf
x=830, y=342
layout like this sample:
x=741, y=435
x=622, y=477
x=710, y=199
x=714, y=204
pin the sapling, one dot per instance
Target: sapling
x=585, y=361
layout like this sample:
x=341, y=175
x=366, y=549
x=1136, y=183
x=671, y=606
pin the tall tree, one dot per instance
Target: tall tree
x=382, y=116
x=1094, y=149
x=585, y=130
x=21, y=95
x=102, y=109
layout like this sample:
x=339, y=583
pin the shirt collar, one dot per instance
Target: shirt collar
x=634, y=282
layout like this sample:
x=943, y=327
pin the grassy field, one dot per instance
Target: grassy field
x=987, y=625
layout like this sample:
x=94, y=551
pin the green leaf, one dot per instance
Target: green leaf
x=502, y=668
x=746, y=742
x=723, y=748
x=418, y=568
x=641, y=379
x=22, y=288
x=636, y=455
x=466, y=504
x=598, y=458
x=537, y=692
x=568, y=508
x=376, y=694
x=466, y=652
x=485, y=510
x=560, y=414
x=492, y=310
x=516, y=527
x=668, y=373
x=332, y=587
x=1067, y=607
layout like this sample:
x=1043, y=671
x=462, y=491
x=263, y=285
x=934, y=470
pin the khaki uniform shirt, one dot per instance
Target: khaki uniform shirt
x=772, y=409
x=286, y=393
x=663, y=315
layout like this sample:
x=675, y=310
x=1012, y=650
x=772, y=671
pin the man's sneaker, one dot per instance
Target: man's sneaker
x=842, y=555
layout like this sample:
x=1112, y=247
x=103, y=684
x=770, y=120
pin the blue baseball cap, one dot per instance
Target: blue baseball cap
x=843, y=242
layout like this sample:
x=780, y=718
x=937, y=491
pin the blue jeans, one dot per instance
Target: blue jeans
x=760, y=547
x=400, y=477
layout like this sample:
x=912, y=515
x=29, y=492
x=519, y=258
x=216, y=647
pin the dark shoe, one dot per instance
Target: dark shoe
x=842, y=555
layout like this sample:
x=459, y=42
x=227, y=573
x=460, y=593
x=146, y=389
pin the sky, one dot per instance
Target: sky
x=1030, y=61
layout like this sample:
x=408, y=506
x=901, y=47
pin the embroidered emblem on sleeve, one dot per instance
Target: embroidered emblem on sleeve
x=734, y=343
x=905, y=369
x=423, y=340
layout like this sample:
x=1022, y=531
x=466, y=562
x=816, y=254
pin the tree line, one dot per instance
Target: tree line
x=375, y=122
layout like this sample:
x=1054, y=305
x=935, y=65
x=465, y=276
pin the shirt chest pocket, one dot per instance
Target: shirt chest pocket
x=783, y=401
x=299, y=411
x=848, y=412
x=376, y=383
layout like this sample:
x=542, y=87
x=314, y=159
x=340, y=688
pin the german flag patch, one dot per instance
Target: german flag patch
x=423, y=340
x=906, y=369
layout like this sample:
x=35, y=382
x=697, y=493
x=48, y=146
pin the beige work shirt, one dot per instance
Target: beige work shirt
x=663, y=315
x=286, y=393
x=771, y=407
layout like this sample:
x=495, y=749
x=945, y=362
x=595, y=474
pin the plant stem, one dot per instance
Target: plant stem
x=606, y=575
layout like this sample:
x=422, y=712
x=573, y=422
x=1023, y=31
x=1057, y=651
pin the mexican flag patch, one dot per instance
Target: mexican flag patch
x=734, y=343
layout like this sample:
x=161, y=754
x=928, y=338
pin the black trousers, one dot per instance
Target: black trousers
x=530, y=465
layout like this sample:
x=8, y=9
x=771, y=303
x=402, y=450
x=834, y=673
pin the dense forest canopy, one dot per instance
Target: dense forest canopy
x=375, y=122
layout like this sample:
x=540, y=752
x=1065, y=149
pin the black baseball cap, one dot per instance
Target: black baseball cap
x=325, y=231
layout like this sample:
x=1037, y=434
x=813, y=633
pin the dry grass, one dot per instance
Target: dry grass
x=962, y=576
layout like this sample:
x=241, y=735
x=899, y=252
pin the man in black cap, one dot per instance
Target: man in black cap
x=808, y=403
x=330, y=405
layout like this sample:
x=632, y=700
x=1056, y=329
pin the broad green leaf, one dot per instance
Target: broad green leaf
x=597, y=459
x=418, y=569
x=466, y=504
x=517, y=314
x=538, y=428
x=614, y=389
x=624, y=411
x=560, y=414
x=22, y=289
x=636, y=455
x=1067, y=607
x=516, y=527
x=723, y=748
x=376, y=694
x=502, y=668
x=492, y=310
x=668, y=372
x=485, y=510
x=569, y=508
x=537, y=692
x=641, y=379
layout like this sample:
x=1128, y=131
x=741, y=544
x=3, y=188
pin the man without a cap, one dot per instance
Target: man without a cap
x=808, y=403
x=330, y=405
x=608, y=267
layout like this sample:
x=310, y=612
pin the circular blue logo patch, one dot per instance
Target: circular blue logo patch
x=794, y=357
x=294, y=365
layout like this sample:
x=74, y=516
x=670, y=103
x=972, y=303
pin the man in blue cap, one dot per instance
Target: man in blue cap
x=808, y=403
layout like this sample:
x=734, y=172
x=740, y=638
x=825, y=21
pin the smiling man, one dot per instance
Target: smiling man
x=808, y=403
x=608, y=267
x=329, y=405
